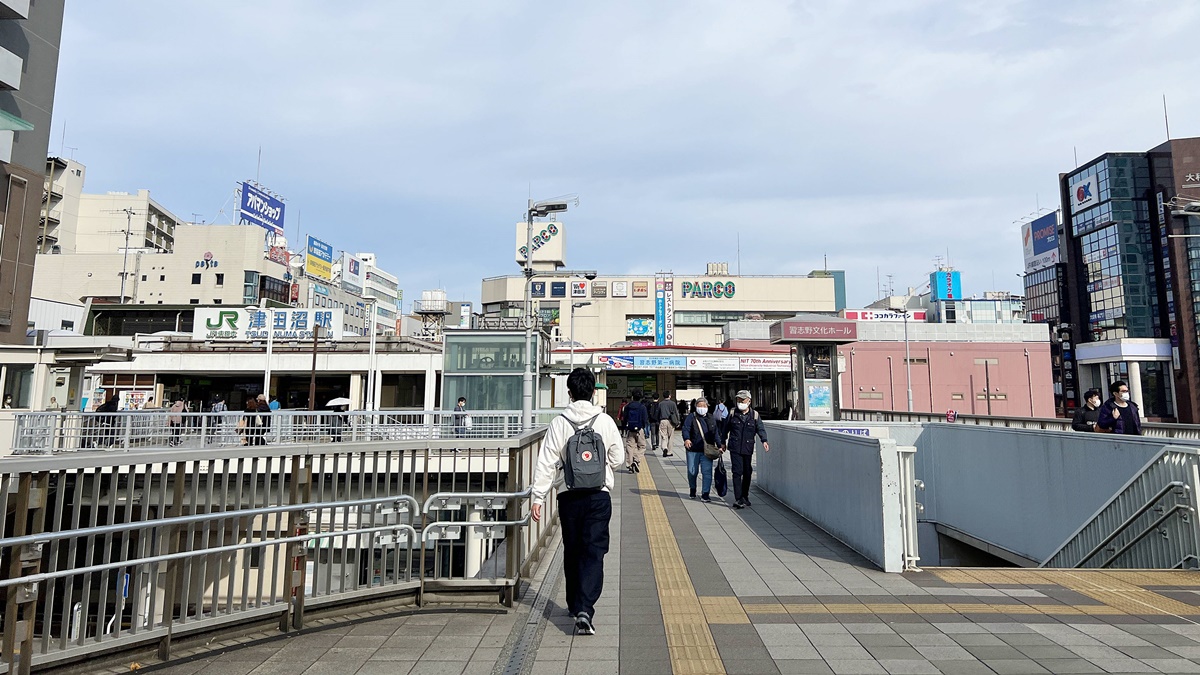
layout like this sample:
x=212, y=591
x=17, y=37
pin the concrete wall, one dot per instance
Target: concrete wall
x=846, y=485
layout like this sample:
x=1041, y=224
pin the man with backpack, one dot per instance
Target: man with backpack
x=579, y=452
x=636, y=419
x=743, y=425
x=652, y=426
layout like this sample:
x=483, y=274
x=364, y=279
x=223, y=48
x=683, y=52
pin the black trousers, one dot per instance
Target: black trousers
x=741, y=475
x=584, y=516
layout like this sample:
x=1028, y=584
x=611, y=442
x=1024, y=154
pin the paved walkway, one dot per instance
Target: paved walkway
x=702, y=588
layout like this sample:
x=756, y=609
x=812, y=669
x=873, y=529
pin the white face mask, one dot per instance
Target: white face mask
x=1094, y=402
x=743, y=406
x=702, y=411
x=1124, y=396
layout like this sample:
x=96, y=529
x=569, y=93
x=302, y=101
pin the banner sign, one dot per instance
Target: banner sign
x=1084, y=194
x=319, y=259
x=917, y=315
x=260, y=208
x=639, y=327
x=537, y=289
x=248, y=324
x=1040, y=241
x=778, y=364
x=792, y=330
x=620, y=289
x=641, y=289
x=660, y=312
x=616, y=362
x=660, y=362
x=352, y=274
x=278, y=254
x=719, y=363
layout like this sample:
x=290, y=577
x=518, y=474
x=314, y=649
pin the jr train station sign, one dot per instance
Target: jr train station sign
x=248, y=324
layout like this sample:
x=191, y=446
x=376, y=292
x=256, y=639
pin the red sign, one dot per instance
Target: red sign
x=278, y=254
x=951, y=416
x=295, y=292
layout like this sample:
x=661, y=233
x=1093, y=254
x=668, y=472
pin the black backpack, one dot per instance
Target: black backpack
x=585, y=462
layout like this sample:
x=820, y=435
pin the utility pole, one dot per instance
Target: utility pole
x=125, y=257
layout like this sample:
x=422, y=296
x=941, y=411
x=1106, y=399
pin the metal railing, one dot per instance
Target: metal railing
x=52, y=432
x=1153, y=429
x=1151, y=523
x=104, y=552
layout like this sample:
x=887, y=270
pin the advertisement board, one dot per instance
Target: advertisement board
x=352, y=274
x=259, y=208
x=641, y=289
x=579, y=289
x=1040, y=241
x=1084, y=194
x=620, y=289
x=718, y=363
x=245, y=324
x=616, y=362
x=558, y=289
x=278, y=254
x=660, y=362
x=639, y=327
x=599, y=289
x=883, y=315
x=548, y=243
x=818, y=400
x=778, y=364
x=660, y=312
x=945, y=285
x=537, y=289
x=669, y=310
x=318, y=261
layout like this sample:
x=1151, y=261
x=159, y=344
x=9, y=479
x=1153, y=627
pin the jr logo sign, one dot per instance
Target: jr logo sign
x=230, y=318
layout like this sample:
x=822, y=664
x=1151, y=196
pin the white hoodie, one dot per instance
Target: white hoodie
x=549, y=471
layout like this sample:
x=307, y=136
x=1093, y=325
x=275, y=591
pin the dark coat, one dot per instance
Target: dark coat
x=700, y=431
x=1085, y=419
x=740, y=430
x=1127, y=420
x=636, y=417
x=668, y=410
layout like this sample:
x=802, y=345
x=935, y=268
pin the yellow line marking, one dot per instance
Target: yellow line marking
x=693, y=650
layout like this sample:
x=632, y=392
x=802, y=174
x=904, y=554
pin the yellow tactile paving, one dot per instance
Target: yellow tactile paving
x=723, y=610
x=685, y=617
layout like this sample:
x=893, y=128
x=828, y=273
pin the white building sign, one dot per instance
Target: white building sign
x=248, y=324
x=1084, y=194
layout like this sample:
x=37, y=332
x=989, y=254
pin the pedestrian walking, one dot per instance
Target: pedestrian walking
x=460, y=418
x=175, y=421
x=1119, y=414
x=249, y=423
x=636, y=419
x=263, y=408
x=1087, y=416
x=742, y=426
x=668, y=415
x=720, y=413
x=216, y=424
x=579, y=452
x=652, y=426
x=702, y=446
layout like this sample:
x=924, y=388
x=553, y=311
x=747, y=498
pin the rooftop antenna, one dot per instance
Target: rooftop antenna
x=258, y=169
x=63, y=142
x=878, y=288
x=1076, y=153
x=739, y=247
x=1166, y=121
x=195, y=217
x=891, y=289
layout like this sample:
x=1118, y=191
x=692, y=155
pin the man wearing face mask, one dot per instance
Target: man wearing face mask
x=1119, y=414
x=700, y=434
x=1087, y=416
x=742, y=426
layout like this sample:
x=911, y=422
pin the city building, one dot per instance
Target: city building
x=384, y=288
x=29, y=40
x=1119, y=288
x=64, y=191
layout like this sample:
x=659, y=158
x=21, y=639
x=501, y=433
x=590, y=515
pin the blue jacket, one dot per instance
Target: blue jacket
x=636, y=417
x=739, y=431
x=700, y=432
x=1127, y=421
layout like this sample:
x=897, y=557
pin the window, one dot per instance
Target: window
x=956, y=397
x=216, y=301
x=870, y=395
x=194, y=301
x=162, y=277
x=18, y=386
x=160, y=302
x=220, y=280
x=196, y=279
x=67, y=325
x=143, y=277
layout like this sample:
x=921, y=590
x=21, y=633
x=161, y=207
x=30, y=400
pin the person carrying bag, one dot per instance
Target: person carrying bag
x=700, y=439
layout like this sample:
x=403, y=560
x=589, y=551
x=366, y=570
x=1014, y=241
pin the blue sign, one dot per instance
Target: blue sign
x=945, y=285
x=322, y=290
x=558, y=289
x=660, y=317
x=853, y=431
x=660, y=362
x=260, y=208
x=1045, y=234
x=537, y=289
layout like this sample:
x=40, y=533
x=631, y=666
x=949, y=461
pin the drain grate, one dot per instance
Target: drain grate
x=525, y=648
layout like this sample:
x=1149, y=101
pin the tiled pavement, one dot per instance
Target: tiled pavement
x=696, y=588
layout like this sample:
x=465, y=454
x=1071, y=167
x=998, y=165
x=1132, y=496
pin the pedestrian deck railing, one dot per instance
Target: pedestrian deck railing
x=111, y=551
x=1151, y=523
x=52, y=432
x=1153, y=429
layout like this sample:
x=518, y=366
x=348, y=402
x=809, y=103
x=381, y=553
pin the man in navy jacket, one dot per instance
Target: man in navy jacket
x=743, y=425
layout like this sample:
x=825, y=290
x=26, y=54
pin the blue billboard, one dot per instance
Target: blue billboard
x=660, y=314
x=558, y=289
x=260, y=208
x=945, y=285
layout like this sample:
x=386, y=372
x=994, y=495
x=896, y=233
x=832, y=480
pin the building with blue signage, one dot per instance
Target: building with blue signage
x=1129, y=289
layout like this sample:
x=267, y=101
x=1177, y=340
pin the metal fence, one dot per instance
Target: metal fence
x=108, y=551
x=1154, y=429
x=51, y=432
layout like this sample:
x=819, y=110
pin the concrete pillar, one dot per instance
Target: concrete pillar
x=431, y=402
x=356, y=391
x=40, y=395
x=1135, y=383
x=473, y=559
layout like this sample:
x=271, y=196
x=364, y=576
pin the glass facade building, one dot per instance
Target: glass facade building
x=486, y=367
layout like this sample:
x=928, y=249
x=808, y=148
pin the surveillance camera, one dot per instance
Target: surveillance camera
x=589, y=275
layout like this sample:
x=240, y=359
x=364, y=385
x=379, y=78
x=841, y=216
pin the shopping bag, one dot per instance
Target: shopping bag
x=720, y=479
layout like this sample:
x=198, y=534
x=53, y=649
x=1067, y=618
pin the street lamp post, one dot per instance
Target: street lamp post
x=908, y=363
x=270, y=343
x=575, y=306
x=372, y=379
x=540, y=209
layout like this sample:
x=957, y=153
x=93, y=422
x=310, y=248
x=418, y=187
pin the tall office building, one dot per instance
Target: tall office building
x=1131, y=288
x=29, y=39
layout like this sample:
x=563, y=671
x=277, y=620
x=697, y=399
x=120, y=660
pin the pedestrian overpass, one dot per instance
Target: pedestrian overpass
x=398, y=549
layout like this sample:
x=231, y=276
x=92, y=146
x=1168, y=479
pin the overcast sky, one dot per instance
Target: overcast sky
x=879, y=134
